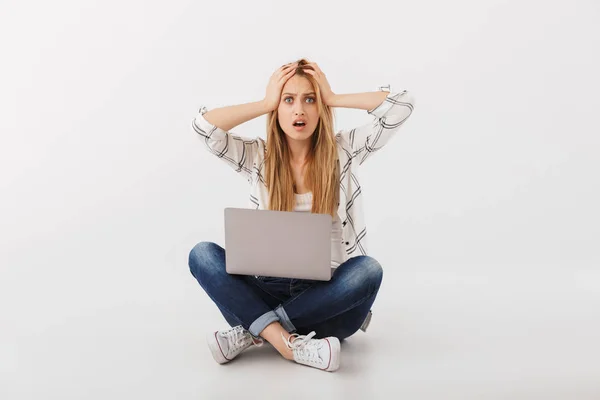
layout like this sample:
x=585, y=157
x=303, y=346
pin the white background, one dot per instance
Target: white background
x=483, y=210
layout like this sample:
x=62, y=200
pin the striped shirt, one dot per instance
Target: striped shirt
x=355, y=146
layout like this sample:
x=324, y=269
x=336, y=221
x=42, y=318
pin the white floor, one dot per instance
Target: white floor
x=434, y=335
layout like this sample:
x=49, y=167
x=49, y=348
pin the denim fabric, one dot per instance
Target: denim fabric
x=330, y=308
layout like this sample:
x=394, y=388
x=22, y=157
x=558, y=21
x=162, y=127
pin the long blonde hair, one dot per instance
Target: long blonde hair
x=322, y=166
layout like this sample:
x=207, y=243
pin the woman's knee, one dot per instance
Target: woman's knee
x=367, y=271
x=375, y=270
x=204, y=257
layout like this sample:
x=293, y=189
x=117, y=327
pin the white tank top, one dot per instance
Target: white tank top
x=303, y=203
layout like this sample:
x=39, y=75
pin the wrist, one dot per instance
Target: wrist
x=331, y=100
x=264, y=106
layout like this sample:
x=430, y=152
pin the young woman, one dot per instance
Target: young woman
x=303, y=166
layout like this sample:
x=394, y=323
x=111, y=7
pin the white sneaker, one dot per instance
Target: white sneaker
x=318, y=353
x=226, y=345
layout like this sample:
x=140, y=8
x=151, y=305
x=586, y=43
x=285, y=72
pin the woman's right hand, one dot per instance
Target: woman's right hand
x=278, y=79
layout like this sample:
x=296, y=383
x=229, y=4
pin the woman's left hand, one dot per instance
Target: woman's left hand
x=326, y=92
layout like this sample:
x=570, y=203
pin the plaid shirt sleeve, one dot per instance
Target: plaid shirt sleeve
x=388, y=117
x=237, y=151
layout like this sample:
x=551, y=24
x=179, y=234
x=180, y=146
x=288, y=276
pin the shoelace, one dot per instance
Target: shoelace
x=305, y=347
x=238, y=337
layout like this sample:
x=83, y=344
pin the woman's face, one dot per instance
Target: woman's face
x=298, y=102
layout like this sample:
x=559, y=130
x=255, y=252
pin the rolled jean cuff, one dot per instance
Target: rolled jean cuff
x=262, y=322
x=284, y=320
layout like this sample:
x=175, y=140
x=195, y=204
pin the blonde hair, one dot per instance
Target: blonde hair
x=322, y=166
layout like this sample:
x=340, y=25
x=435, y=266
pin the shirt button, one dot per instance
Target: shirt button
x=347, y=242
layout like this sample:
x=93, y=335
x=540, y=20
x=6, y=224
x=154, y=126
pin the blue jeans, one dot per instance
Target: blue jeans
x=330, y=308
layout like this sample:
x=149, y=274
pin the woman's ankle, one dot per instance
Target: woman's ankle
x=275, y=334
x=289, y=356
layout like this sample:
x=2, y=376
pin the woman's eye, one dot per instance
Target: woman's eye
x=308, y=98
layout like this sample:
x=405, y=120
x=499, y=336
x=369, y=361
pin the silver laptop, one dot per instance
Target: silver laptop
x=286, y=244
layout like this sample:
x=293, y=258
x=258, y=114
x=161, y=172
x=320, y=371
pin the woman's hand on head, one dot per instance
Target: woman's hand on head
x=326, y=92
x=278, y=79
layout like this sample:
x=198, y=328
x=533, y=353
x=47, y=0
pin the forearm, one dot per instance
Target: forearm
x=363, y=101
x=229, y=117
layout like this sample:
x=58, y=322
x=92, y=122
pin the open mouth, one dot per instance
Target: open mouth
x=299, y=125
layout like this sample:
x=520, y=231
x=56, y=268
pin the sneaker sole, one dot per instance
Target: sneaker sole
x=334, y=362
x=215, y=348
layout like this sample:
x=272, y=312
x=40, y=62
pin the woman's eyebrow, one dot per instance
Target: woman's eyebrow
x=306, y=94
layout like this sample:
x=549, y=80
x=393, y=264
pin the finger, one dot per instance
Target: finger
x=292, y=67
x=288, y=72
x=316, y=68
x=285, y=69
x=310, y=71
x=287, y=75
